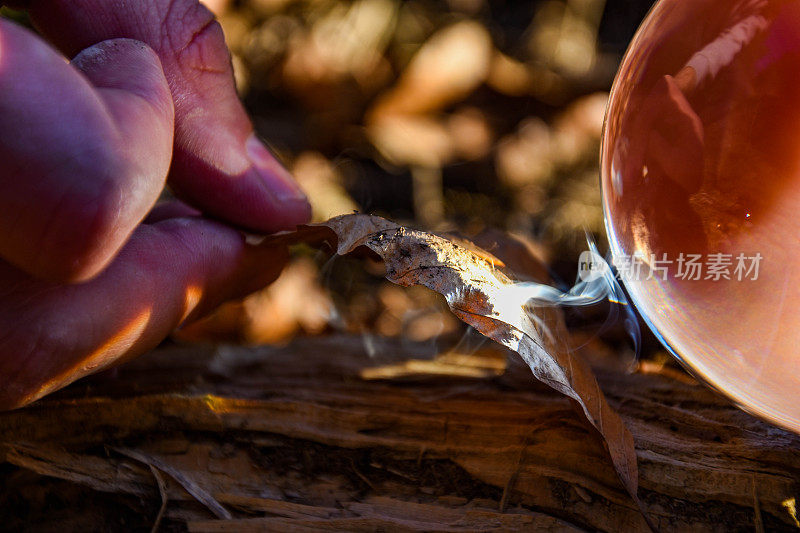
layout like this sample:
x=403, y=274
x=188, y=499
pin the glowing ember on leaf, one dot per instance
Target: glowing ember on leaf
x=481, y=295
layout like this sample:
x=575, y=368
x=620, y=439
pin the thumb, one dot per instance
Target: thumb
x=219, y=165
x=169, y=272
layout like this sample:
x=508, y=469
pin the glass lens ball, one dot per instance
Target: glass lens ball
x=701, y=192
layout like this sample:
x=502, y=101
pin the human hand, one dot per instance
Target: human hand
x=85, y=149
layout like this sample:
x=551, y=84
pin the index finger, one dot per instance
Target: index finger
x=84, y=153
x=219, y=164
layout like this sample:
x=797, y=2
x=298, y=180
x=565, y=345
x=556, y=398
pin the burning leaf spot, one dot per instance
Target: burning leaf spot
x=501, y=309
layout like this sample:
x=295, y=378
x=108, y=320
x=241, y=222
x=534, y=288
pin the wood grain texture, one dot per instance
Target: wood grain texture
x=305, y=438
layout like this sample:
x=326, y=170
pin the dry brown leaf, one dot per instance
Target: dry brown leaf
x=485, y=298
x=447, y=68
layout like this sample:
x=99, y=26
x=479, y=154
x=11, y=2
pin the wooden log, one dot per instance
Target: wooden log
x=319, y=435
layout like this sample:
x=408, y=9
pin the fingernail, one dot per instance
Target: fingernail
x=277, y=179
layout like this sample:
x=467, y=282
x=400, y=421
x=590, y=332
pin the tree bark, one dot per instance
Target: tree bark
x=319, y=435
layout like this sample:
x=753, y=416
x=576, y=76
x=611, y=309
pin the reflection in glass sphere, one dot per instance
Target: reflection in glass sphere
x=701, y=192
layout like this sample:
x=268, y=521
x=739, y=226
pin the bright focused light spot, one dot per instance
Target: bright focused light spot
x=191, y=299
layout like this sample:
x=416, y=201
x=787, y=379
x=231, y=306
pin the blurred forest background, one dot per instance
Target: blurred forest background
x=446, y=115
